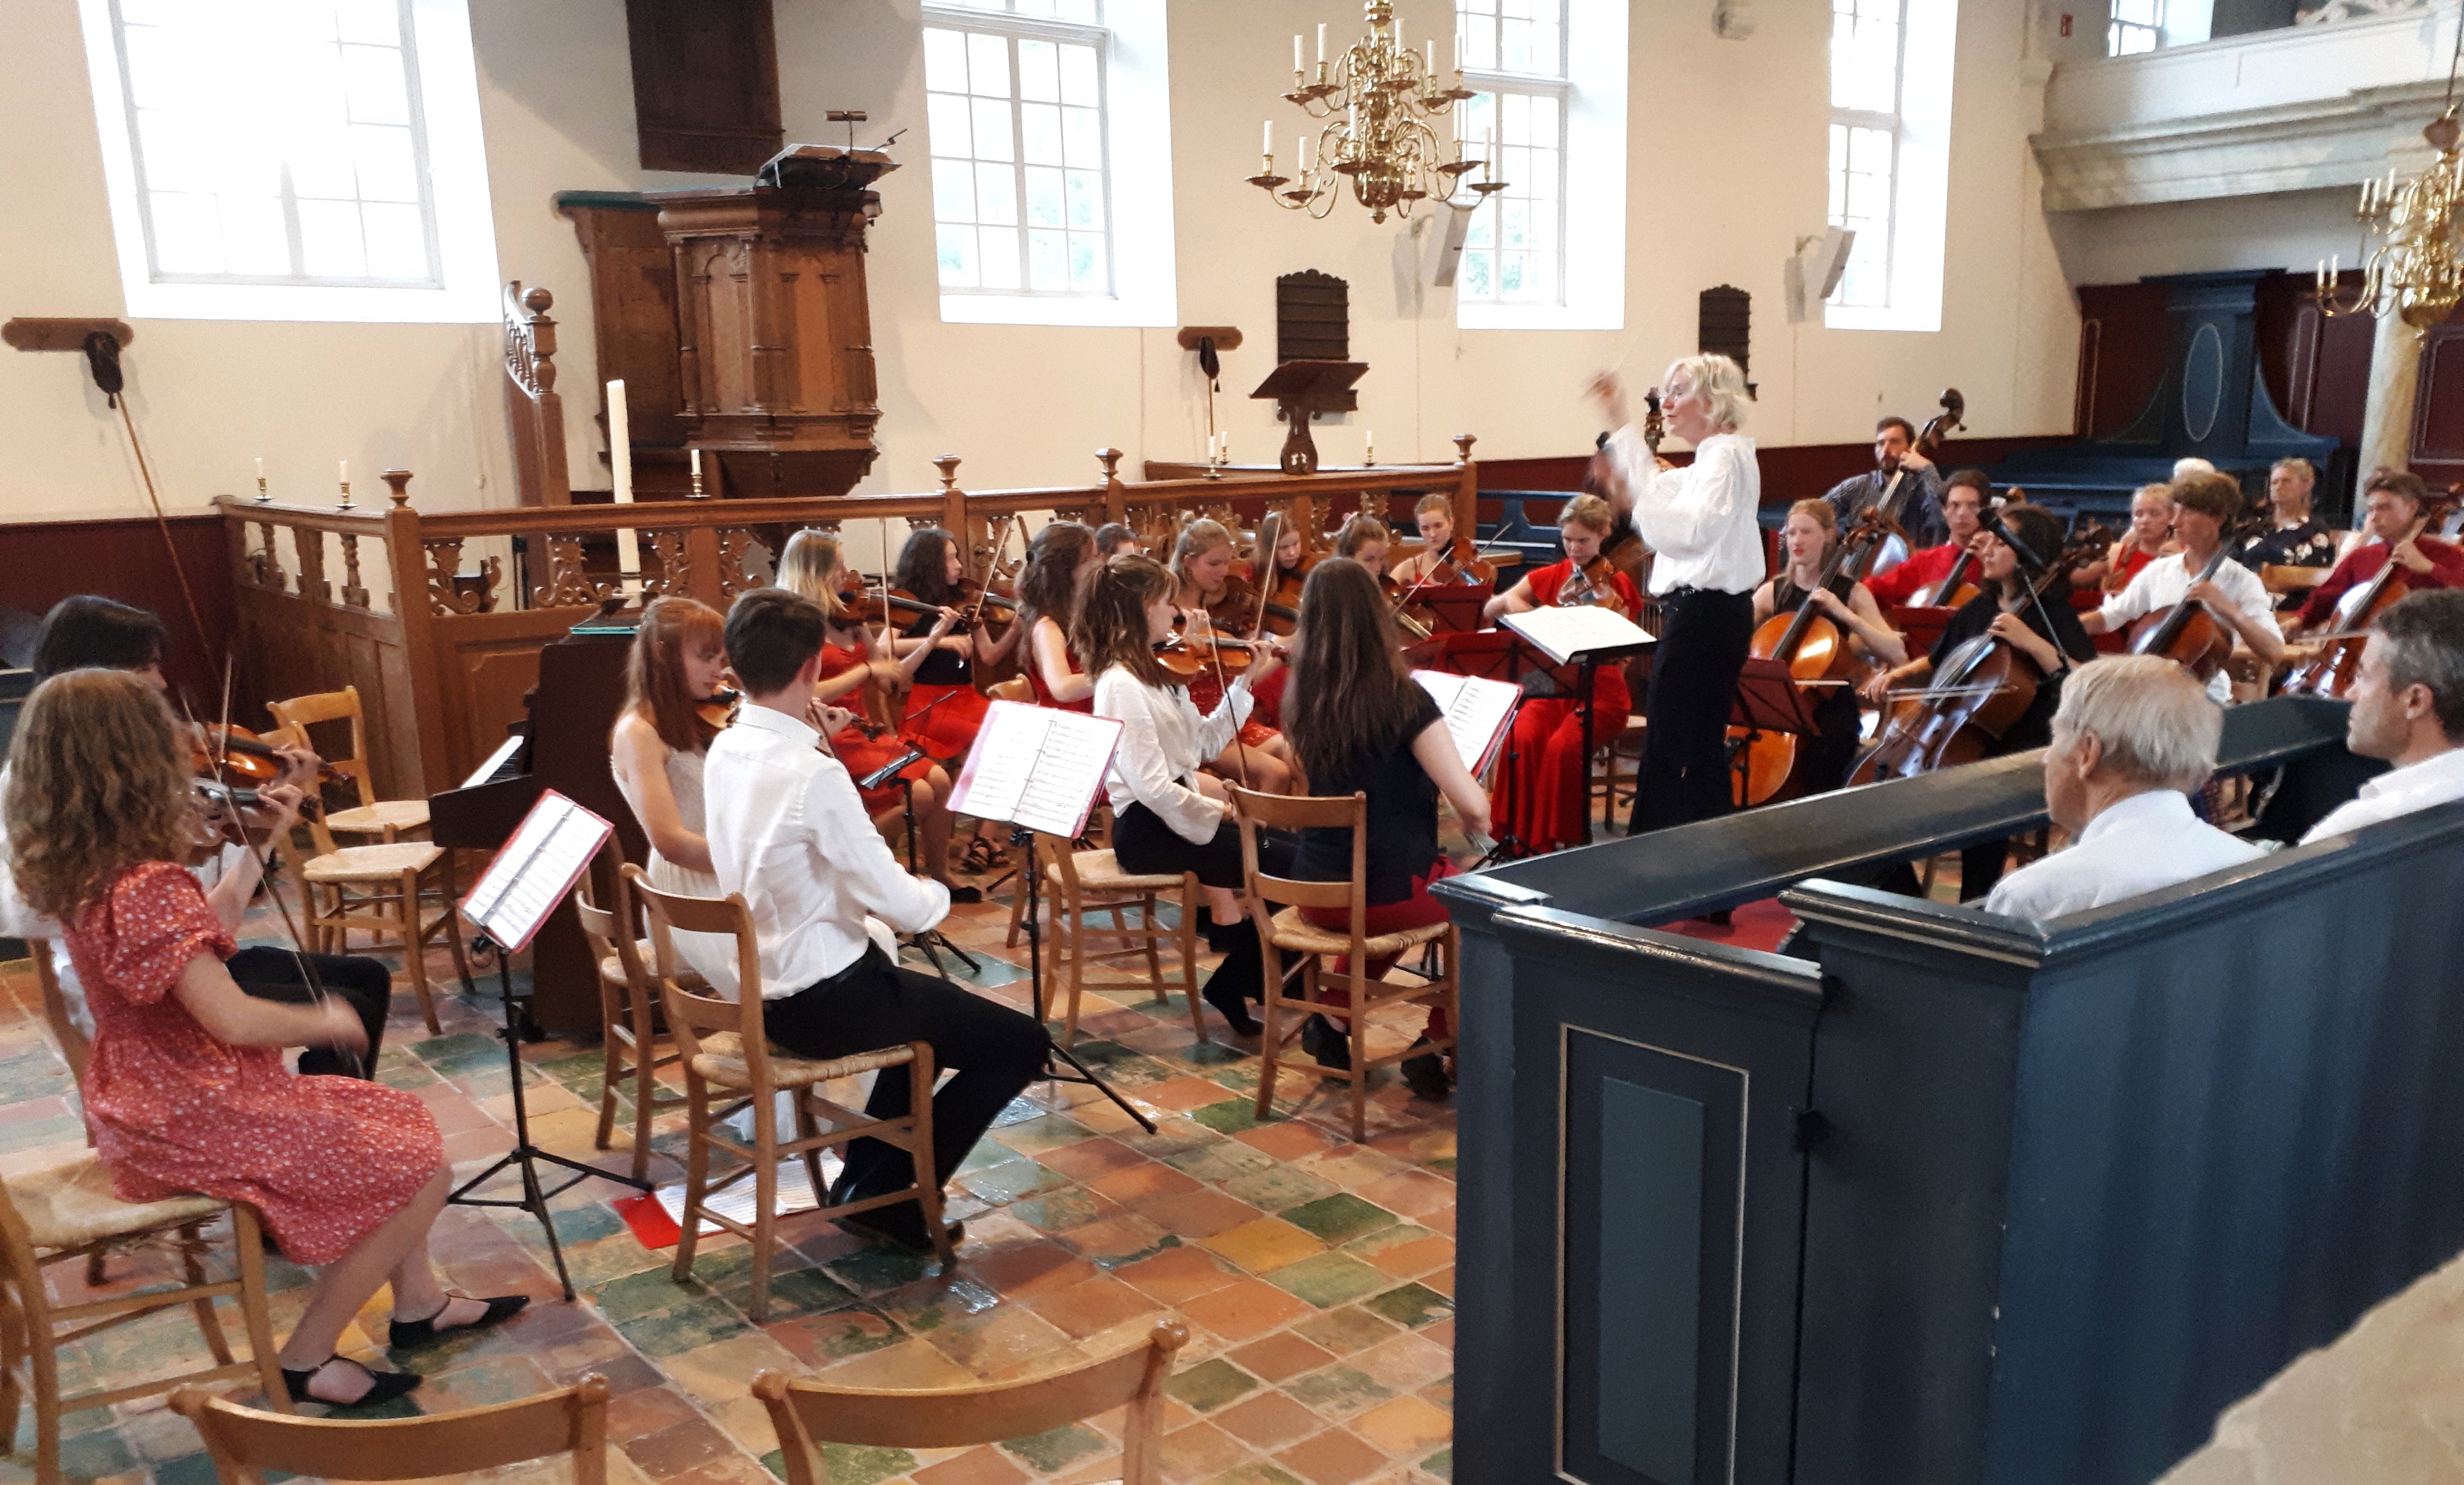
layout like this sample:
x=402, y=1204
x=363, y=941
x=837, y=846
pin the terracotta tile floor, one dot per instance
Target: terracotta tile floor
x=1314, y=1273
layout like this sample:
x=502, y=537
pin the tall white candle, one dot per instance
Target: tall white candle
x=1429, y=58
x=620, y=461
x=1296, y=53
x=1266, y=139
x=1321, y=43
x=345, y=476
x=1457, y=51
x=260, y=466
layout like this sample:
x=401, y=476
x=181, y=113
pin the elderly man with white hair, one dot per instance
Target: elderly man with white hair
x=2134, y=735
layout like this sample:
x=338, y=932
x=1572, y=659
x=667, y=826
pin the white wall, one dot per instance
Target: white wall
x=1726, y=162
x=2291, y=231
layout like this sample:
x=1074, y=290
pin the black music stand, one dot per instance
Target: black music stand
x=1768, y=700
x=534, y=872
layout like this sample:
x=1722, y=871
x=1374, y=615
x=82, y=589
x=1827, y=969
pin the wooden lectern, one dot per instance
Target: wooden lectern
x=1300, y=389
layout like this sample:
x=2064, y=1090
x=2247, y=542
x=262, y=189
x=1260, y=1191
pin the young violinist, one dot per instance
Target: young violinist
x=1435, y=517
x=1963, y=513
x=1113, y=539
x=1808, y=538
x=1365, y=539
x=1541, y=773
x=1214, y=600
x=2202, y=505
x=1059, y=561
x=2046, y=630
x=2392, y=501
x=86, y=632
x=931, y=569
x=2149, y=537
x=1360, y=724
x=813, y=565
x=1698, y=522
x=661, y=738
x=1283, y=563
x=1169, y=816
x=185, y=1090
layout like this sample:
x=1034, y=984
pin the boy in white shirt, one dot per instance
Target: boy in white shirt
x=2202, y=504
x=787, y=830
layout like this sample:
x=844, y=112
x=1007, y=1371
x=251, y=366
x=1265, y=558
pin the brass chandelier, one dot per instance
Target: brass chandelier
x=2418, y=272
x=1376, y=104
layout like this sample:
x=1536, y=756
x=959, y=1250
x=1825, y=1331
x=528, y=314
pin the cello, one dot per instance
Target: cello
x=1815, y=647
x=1952, y=589
x=2186, y=631
x=2331, y=670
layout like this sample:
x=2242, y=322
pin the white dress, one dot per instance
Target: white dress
x=684, y=782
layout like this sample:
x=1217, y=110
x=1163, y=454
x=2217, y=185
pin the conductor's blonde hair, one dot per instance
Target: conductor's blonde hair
x=1716, y=377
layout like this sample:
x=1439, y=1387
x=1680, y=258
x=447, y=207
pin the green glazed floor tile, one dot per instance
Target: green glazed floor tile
x=1328, y=1279
x=1210, y=1385
x=1340, y=1217
x=1411, y=1307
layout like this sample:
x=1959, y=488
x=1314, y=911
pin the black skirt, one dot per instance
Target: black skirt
x=1145, y=846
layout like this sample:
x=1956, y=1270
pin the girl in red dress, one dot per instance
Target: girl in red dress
x=1541, y=787
x=944, y=709
x=1058, y=562
x=851, y=659
x=186, y=1090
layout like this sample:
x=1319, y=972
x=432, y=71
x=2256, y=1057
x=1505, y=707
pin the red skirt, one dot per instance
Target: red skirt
x=1540, y=788
x=949, y=729
x=862, y=754
x=1416, y=911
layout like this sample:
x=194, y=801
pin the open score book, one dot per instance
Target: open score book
x=1037, y=767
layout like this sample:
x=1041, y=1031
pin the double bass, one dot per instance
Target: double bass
x=1815, y=647
x=2330, y=672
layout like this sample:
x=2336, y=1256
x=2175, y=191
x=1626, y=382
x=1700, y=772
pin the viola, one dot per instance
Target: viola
x=2186, y=631
x=1815, y=647
x=2330, y=672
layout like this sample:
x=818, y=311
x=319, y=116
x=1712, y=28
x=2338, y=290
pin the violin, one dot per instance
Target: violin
x=1279, y=604
x=1591, y=584
x=718, y=710
x=2186, y=631
x=235, y=752
x=1815, y=647
x=2330, y=672
x=1190, y=656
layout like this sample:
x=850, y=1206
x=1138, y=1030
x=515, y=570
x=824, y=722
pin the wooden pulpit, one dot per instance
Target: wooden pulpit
x=775, y=337
x=1301, y=390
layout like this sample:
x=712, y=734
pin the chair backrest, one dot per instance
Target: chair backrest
x=809, y=1412
x=302, y=713
x=291, y=734
x=612, y=930
x=1016, y=688
x=2280, y=579
x=244, y=1441
x=1296, y=812
x=690, y=1013
x=73, y=1045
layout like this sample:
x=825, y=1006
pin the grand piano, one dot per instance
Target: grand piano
x=2212, y=404
x=563, y=746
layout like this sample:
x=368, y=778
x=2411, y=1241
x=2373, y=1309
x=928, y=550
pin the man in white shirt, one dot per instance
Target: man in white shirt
x=2408, y=708
x=2133, y=736
x=2202, y=503
x=787, y=830
x=1706, y=561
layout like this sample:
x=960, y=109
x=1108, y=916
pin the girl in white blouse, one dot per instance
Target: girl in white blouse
x=1167, y=815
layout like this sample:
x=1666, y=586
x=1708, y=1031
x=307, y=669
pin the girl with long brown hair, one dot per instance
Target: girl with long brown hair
x=814, y=565
x=185, y=1089
x=1059, y=561
x=1202, y=567
x=1364, y=539
x=1168, y=816
x=1360, y=724
x=660, y=737
x=930, y=568
x=1806, y=541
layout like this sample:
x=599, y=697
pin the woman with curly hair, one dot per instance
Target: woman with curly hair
x=185, y=1089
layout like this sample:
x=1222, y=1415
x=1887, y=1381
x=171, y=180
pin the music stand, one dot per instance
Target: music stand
x=1768, y=700
x=1300, y=389
x=532, y=873
x=1587, y=637
x=1456, y=605
x=1037, y=768
x=930, y=940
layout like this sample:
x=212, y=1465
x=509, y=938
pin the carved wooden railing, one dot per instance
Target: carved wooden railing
x=532, y=400
x=442, y=671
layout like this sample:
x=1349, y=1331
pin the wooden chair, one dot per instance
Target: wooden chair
x=388, y=818
x=74, y=1048
x=1079, y=882
x=2286, y=581
x=244, y=1442
x=809, y=1412
x=722, y=1045
x=1099, y=827
x=68, y=1212
x=377, y=889
x=1289, y=929
x=628, y=1024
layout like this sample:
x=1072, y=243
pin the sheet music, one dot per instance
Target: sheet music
x=1478, y=713
x=1037, y=767
x=1565, y=634
x=531, y=874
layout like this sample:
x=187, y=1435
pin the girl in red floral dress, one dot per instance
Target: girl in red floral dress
x=185, y=1089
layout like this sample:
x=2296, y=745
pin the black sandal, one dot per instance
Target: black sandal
x=981, y=857
x=383, y=1386
x=403, y=1334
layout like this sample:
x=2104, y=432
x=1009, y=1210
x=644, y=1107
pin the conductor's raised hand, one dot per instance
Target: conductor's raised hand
x=1609, y=392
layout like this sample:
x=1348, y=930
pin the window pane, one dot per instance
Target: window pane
x=946, y=123
x=321, y=167
x=991, y=119
x=397, y=244
x=1086, y=199
x=187, y=233
x=386, y=170
x=1047, y=262
x=377, y=21
x=330, y=241
x=373, y=80
x=1039, y=126
x=954, y=191
x=1086, y=274
x=957, y=257
x=1079, y=85
x=257, y=242
x=1082, y=138
x=1039, y=72
x=945, y=60
x=1000, y=260
x=995, y=197
x=1043, y=199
